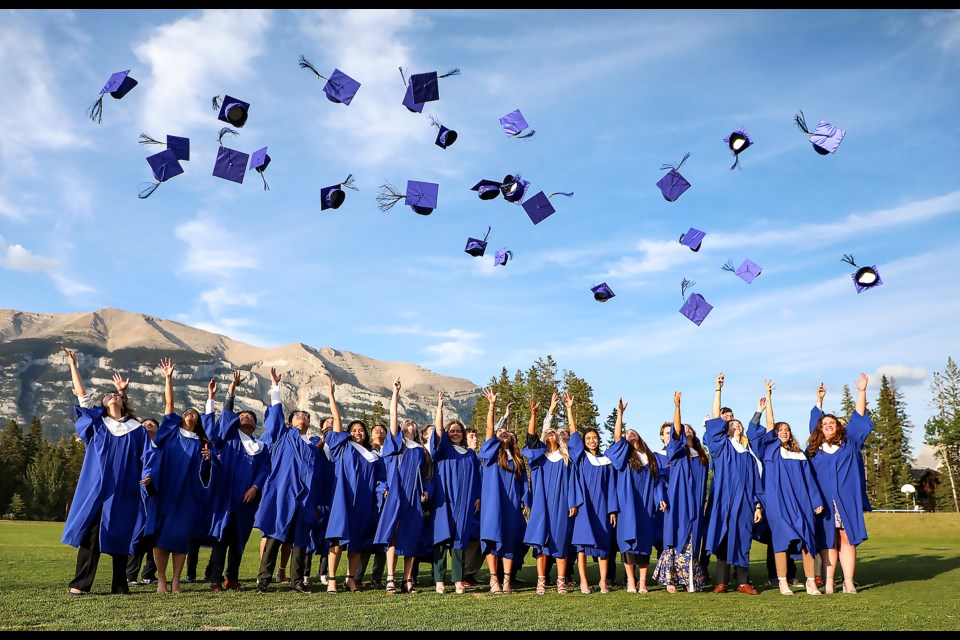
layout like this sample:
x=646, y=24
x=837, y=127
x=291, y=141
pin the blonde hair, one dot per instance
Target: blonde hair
x=561, y=445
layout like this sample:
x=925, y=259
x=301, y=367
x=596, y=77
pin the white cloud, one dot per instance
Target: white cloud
x=904, y=375
x=212, y=250
x=20, y=259
x=8, y=210
x=221, y=297
x=458, y=347
x=69, y=287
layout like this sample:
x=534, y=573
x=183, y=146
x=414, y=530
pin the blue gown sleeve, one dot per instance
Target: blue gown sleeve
x=167, y=429
x=208, y=422
x=442, y=448
x=576, y=446
x=393, y=445
x=660, y=491
x=535, y=456
x=261, y=469
x=613, y=500
x=815, y=414
x=617, y=453
x=858, y=429
x=338, y=441
x=273, y=424
x=813, y=489
x=228, y=424
x=677, y=447
x=715, y=434
x=488, y=451
x=755, y=434
x=768, y=445
x=575, y=489
x=85, y=420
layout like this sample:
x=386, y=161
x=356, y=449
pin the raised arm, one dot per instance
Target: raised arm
x=862, y=394
x=821, y=392
x=769, y=399
x=618, y=427
x=78, y=389
x=677, y=425
x=532, y=427
x=491, y=401
x=438, y=421
x=334, y=409
x=393, y=407
x=121, y=385
x=716, y=396
x=232, y=390
x=568, y=403
x=166, y=366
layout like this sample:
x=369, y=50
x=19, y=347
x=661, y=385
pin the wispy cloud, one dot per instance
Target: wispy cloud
x=16, y=257
x=456, y=347
x=212, y=250
x=903, y=374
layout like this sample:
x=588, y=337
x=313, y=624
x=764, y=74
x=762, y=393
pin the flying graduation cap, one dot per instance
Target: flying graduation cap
x=538, y=206
x=232, y=111
x=339, y=88
x=501, y=257
x=476, y=247
x=513, y=125
x=825, y=138
x=333, y=197
x=695, y=308
x=748, y=271
x=179, y=146
x=487, y=189
x=692, y=238
x=445, y=137
x=118, y=85
x=164, y=165
x=231, y=164
x=738, y=141
x=420, y=196
x=514, y=188
x=602, y=292
x=865, y=277
x=672, y=185
x=423, y=88
x=259, y=160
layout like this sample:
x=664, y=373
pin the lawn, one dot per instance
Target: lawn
x=908, y=572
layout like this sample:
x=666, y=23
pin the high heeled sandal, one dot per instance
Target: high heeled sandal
x=642, y=587
x=584, y=588
x=505, y=589
x=812, y=591
x=459, y=587
x=409, y=586
x=495, y=586
x=852, y=590
x=784, y=585
x=332, y=585
x=391, y=587
x=352, y=585
x=561, y=585
x=441, y=588
x=541, y=585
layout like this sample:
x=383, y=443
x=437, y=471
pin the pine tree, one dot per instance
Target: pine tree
x=892, y=470
x=377, y=413
x=847, y=405
x=46, y=486
x=13, y=463
x=608, y=428
x=34, y=442
x=73, y=451
x=943, y=431
x=17, y=509
x=584, y=409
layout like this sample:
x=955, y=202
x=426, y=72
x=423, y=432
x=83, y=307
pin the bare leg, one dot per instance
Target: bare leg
x=631, y=580
x=780, y=559
x=829, y=561
x=809, y=571
x=391, y=562
x=160, y=557
x=582, y=565
x=492, y=567
x=642, y=565
x=604, y=567
x=284, y=559
x=561, y=571
x=353, y=563
x=848, y=562
x=333, y=561
x=179, y=559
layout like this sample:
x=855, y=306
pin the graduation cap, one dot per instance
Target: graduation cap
x=423, y=88
x=118, y=85
x=748, y=271
x=825, y=138
x=538, y=206
x=602, y=292
x=445, y=137
x=514, y=188
x=694, y=307
x=339, y=88
x=475, y=247
x=164, y=166
x=259, y=160
x=179, y=146
x=738, y=141
x=333, y=197
x=232, y=111
x=513, y=125
x=865, y=277
x=692, y=238
x=487, y=189
x=230, y=164
x=672, y=185
x=501, y=257
x=420, y=196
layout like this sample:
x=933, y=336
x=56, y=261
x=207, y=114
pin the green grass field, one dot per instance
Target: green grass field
x=908, y=570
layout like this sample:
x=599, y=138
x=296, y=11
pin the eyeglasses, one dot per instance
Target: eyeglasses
x=110, y=395
x=302, y=414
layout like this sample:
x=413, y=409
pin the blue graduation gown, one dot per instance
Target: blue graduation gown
x=592, y=532
x=455, y=495
x=639, y=496
x=686, y=494
x=840, y=476
x=327, y=470
x=555, y=489
x=358, y=490
x=736, y=490
x=663, y=475
x=291, y=494
x=109, y=482
x=148, y=493
x=402, y=521
x=238, y=472
x=791, y=495
x=181, y=512
x=502, y=494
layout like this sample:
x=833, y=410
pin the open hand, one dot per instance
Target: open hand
x=250, y=495
x=621, y=406
x=166, y=366
x=120, y=384
x=71, y=356
x=275, y=376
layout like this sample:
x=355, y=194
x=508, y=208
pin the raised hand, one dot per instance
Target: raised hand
x=396, y=385
x=491, y=396
x=821, y=392
x=275, y=376
x=554, y=399
x=622, y=406
x=440, y=399
x=166, y=366
x=676, y=398
x=770, y=387
x=71, y=356
x=236, y=382
x=534, y=407
x=862, y=382
x=761, y=404
x=120, y=384
x=568, y=401
x=720, y=381
x=331, y=384
x=509, y=407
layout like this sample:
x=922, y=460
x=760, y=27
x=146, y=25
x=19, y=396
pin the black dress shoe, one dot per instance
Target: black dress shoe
x=300, y=588
x=262, y=586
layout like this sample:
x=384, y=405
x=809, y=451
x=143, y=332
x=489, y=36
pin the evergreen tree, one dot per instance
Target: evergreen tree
x=478, y=420
x=13, y=463
x=847, y=405
x=46, y=486
x=17, y=509
x=73, y=451
x=892, y=470
x=34, y=442
x=377, y=413
x=584, y=409
x=608, y=428
x=943, y=431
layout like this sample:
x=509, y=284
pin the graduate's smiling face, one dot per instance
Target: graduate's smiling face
x=633, y=438
x=300, y=420
x=734, y=429
x=505, y=437
x=327, y=426
x=665, y=433
x=592, y=442
x=784, y=433
x=455, y=433
x=112, y=401
x=357, y=433
x=726, y=414
x=150, y=425
x=829, y=427
x=550, y=440
x=689, y=432
x=248, y=422
x=190, y=418
x=409, y=429
x=378, y=435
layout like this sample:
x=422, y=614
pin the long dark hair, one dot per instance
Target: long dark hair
x=519, y=466
x=636, y=464
x=598, y=453
x=791, y=444
x=696, y=446
x=366, y=433
x=125, y=411
x=199, y=428
x=818, y=438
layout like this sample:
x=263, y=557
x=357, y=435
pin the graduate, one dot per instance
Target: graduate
x=355, y=507
x=106, y=510
x=557, y=495
x=142, y=546
x=327, y=468
x=593, y=525
x=291, y=495
x=735, y=505
x=503, y=494
x=641, y=494
x=378, y=435
x=663, y=474
x=683, y=521
x=181, y=513
x=455, y=501
x=793, y=499
x=245, y=465
x=409, y=476
x=835, y=451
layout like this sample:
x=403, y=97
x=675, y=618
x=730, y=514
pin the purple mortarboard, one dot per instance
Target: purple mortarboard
x=738, y=141
x=695, y=307
x=230, y=164
x=409, y=103
x=259, y=160
x=118, y=85
x=538, y=206
x=487, y=189
x=513, y=125
x=164, y=166
x=692, y=239
x=825, y=138
x=865, y=277
x=476, y=247
x=445, y=137
x=332, y=197
x=179, y=146
x=232, y=110
x=514, y=188
x=339, y=87
x=422, y=196
x=602, y=292
x=423, y=88
x=748, y=271
x=501, y=257
x=672, y=185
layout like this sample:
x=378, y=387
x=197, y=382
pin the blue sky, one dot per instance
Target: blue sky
x=612, y=96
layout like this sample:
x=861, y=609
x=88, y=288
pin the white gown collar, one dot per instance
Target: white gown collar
x=368, y=455
x=461, y=450
x=251, y=445
x=120, y=428
x=786, y=454
x=554, y=456
x=410, y=444
x=597, y=461
x=193, y=435
x=829, y=448
x=739, y=448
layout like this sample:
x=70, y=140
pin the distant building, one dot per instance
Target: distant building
x=926, y=481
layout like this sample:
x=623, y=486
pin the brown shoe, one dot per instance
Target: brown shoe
x=747, y=589
x=215, y=587
x=720, y=588
x=232, y=586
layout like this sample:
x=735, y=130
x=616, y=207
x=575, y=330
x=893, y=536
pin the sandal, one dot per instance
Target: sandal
x=851, y=590
x=391, y=587
x=671, y=588
x=409, y=586
x=351, y=584
x=332, y=585
x=584, y=588
x=785, y=589
x=459, y=588
x=441, y=588
x=495, y=586
x=506, y=585
x=642, y=587
x=541, y=585
x=811, y=587
x=561, y=585
x=829, y=584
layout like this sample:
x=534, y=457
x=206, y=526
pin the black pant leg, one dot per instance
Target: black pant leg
x=772, y=562
x=149, y=564
x=119, y=581
x=133, y=564
x=193, y=558
x=88, y=557
x=268, y=561
x=218, y=558
x=379, y=564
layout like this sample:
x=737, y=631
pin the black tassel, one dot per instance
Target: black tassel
x=532, y=133
x=486, y=234
x=389, y=195
x=348, y=183
x=215, y=103
x=561, y=193
x=96, y=110
x=403, y=76
x=801, y=122
x=305, y=64
x=146, y=192
x=686, y=284
x=266, y=187
x=848, y=258
x=225, y=131
x=736, y=164
x=729, y=267
x=145, y=139
x=452, y=72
